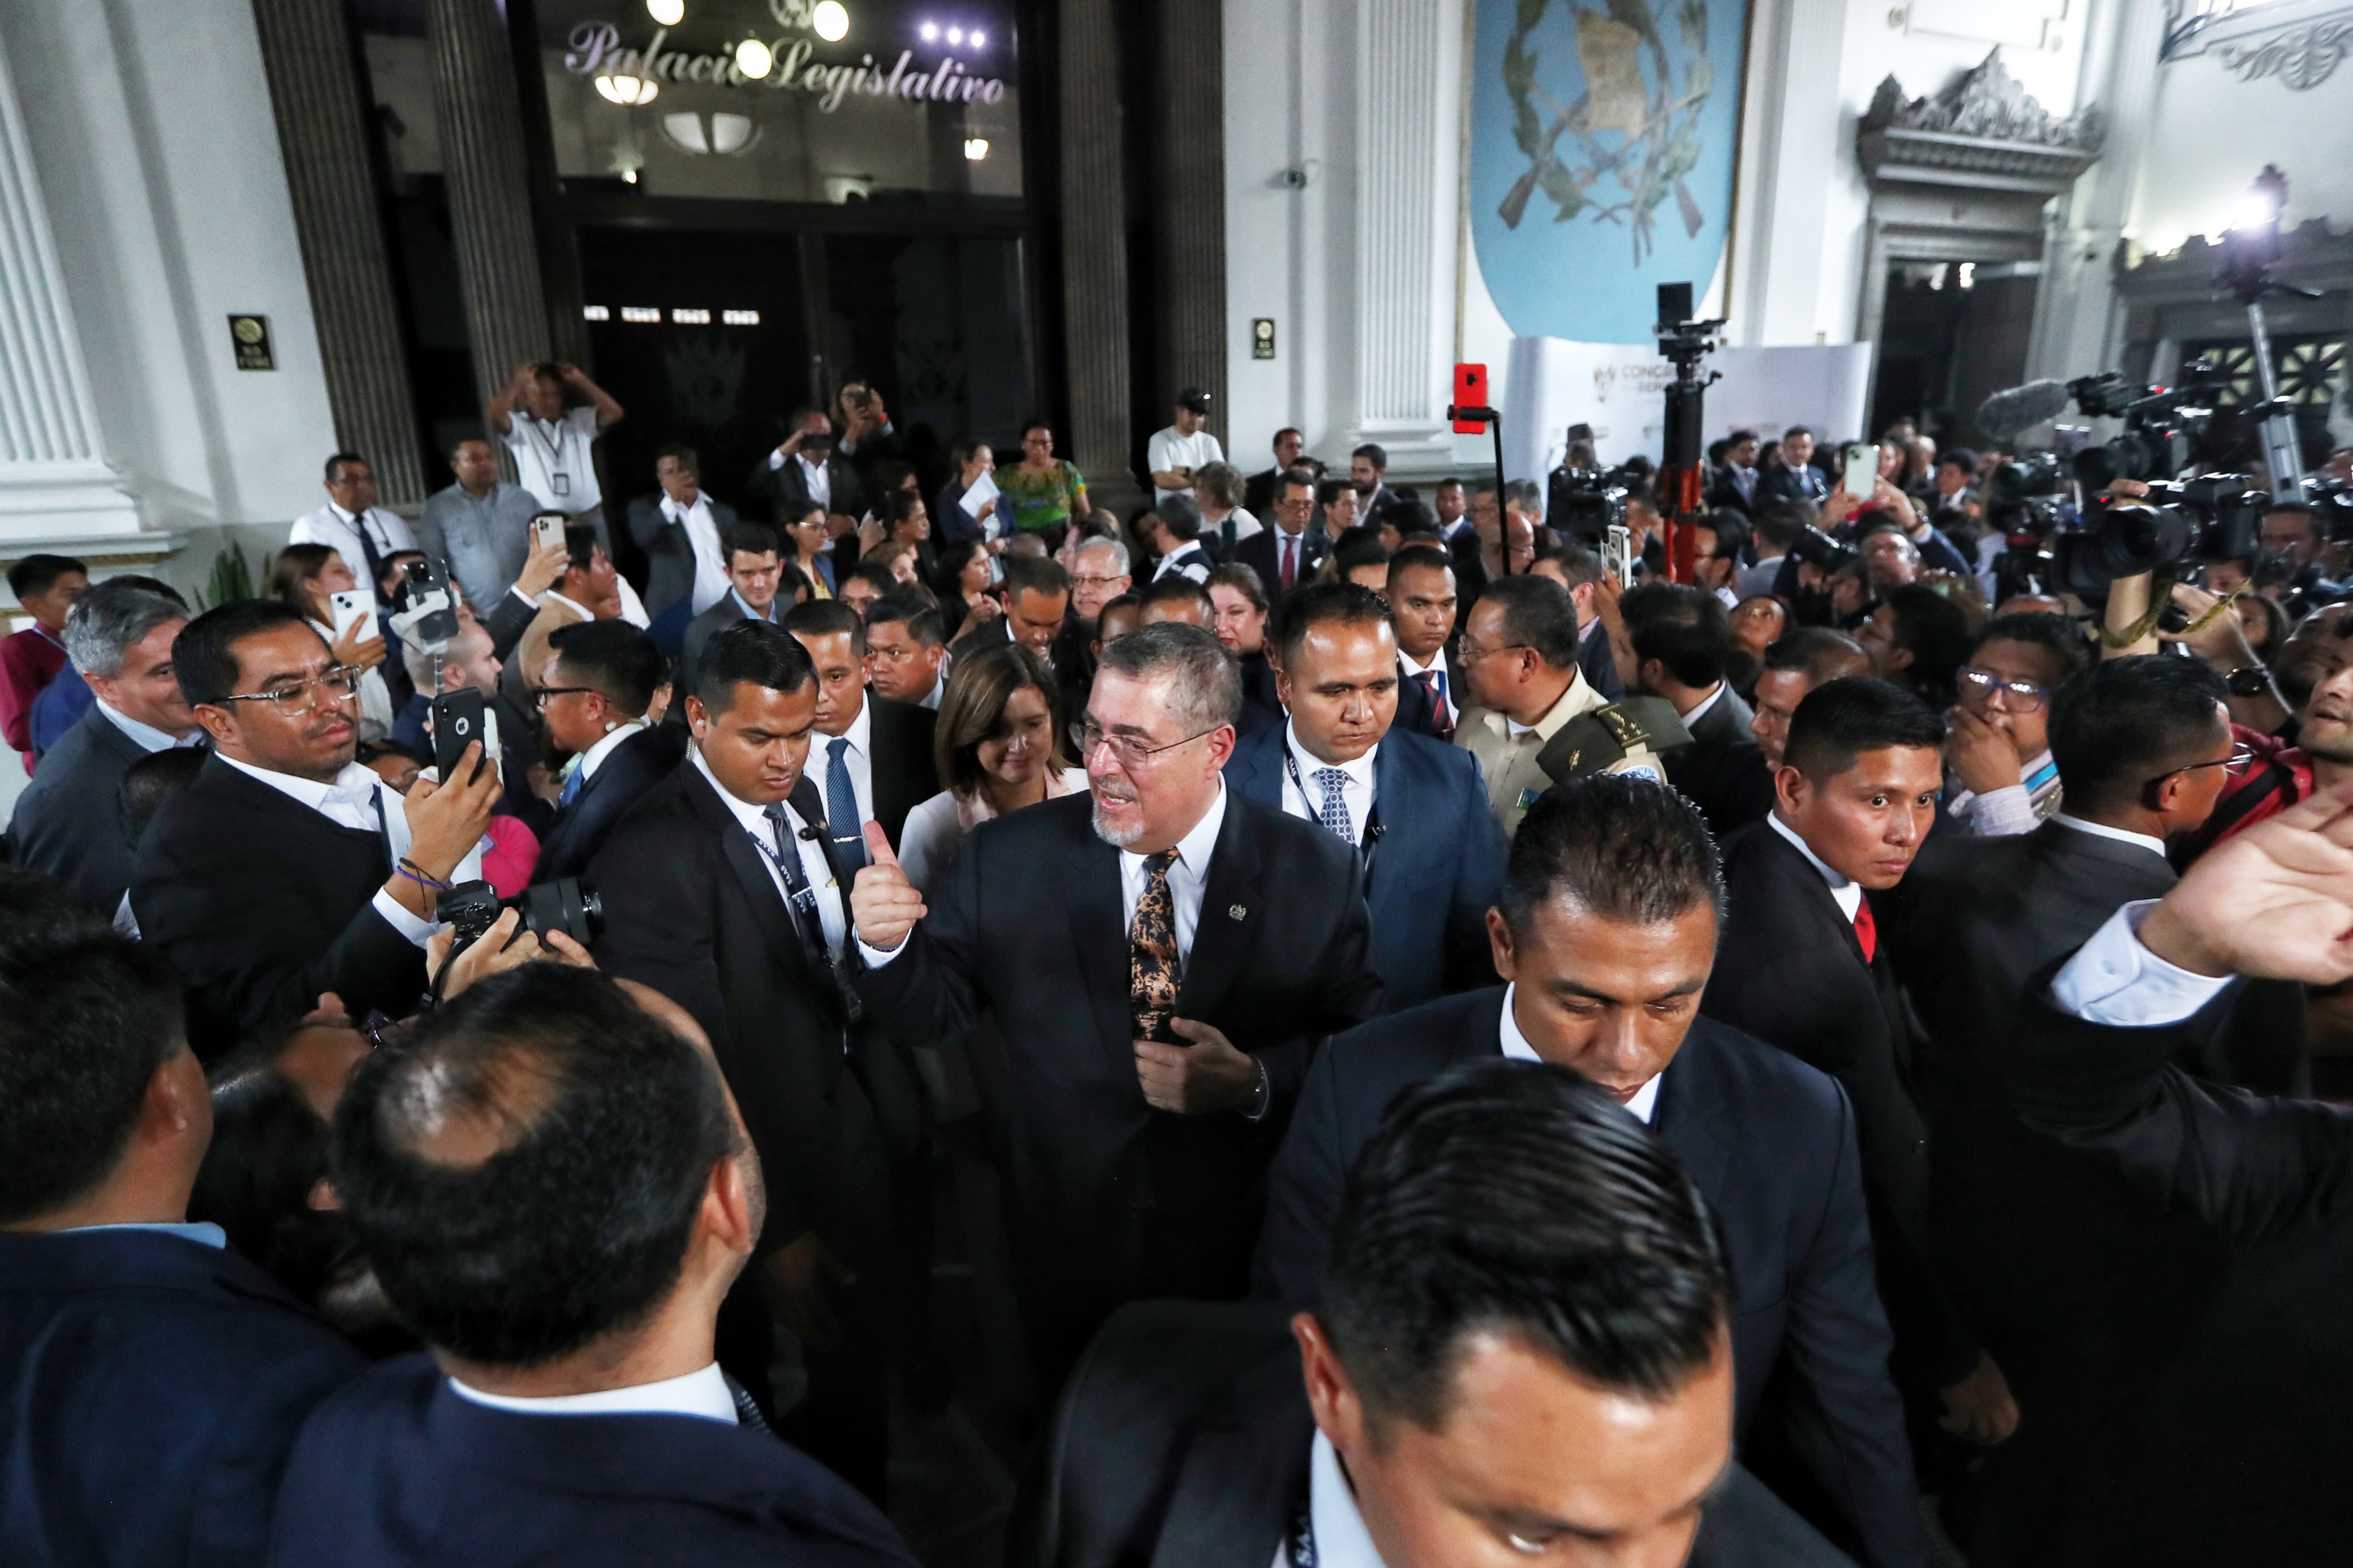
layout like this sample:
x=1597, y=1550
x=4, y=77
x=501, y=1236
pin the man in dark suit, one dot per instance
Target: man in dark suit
x=754, y=569
x=873, y=758
x=1682, y=638
x=1040, y=615
x=1414, y=808
x=555, y=1193
x=287, y=870
x=1794, y=477
x=1368, y=467
x=682, y=531
x=1607, y=931
x=804, y=473
x=1802, y=968
x=1798, y=660
x=1288, y=550
x=1452, y=1383
x=1424, y=603
x=1157, y=1044
x=601, y=680
x=1735, y=484
x=153, y=1379
x=1290, y=452
x=722, y=891
x=119, y=637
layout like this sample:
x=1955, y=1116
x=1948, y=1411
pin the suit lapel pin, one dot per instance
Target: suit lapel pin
x=1235, y=911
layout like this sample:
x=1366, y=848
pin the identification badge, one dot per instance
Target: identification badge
x=563, y=483
x=1528, y=797
x=1641, y=771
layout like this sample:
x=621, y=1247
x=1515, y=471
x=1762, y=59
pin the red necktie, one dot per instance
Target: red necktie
x=1442, y=725
x=1866, y=930
x=1290, y=562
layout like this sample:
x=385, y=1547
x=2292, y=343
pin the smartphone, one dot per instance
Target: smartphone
x=458, y=722
x=1861, y=470
x=355, y=607
x=1617, y=553
x=1470, y=392
x=547, y=530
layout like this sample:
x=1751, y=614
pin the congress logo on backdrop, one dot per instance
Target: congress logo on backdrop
x=1601, y=156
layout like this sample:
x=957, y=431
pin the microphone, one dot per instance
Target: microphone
x=2007, y=412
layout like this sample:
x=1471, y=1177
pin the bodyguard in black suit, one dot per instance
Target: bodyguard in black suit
x=870, y=758
x=1768, y=1141
x=1415, y=808
x=1681, y=639
x=153, y=1379
x=1505, y=1196
x=555, y=1192
x=1289, y=531
x=1160, y=1002
x=784, y=483
x=605, y=673
x=1802, y=968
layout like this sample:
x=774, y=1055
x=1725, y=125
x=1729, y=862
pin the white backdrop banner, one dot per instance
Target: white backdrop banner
x=1620, y=390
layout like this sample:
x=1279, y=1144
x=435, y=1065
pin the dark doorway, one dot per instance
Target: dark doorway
x=1953, y=333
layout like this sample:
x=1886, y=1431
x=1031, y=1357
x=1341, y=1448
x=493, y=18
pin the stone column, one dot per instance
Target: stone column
x=1094, y=258
x=55, y=486
x=482, y=162
x=1189, y=203
x=322, y=110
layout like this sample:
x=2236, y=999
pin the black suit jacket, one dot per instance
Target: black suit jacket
x=1117, y=1200
x=692, y=910
x=262, y=903
x=1781, y=483
x=69, y=822
x=399, y=1471
x=669, y=552
x=625, y=777
x=1073, y=665
x=699, y=631
x=906, y=773
x=785, y=489
x=1771, y=1144
x=1183, y=1438
x=1258, y=552
x=152, y=1386
x=1597, y=663
x=1789, y=971
x=1721, y=772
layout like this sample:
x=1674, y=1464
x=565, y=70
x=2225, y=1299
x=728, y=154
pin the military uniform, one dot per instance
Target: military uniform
x=1582, y=734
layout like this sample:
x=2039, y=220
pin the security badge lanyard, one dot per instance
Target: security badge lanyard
x=802, y=898
x=558, y=480
x=1373, y=828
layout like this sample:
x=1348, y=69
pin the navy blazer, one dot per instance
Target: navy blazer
x=624, y=778
x=69, y=822
x=152, y=1386
x=398, y=1469
x=1434, y=870
x=1768, y=1141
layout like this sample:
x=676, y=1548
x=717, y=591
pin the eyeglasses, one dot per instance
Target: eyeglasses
x=2025, y=696
x=540, y=694
x=1468, y=652
x=1125, y=750
x=2241, y=759
x=300, y=697
x=1093, y=581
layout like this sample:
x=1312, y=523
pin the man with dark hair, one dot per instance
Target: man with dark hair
x=478, y=528
x=723, y=891
x=1177, y=598
x=1359, y=556
x=2005, y=779
x=1210, y=941
x=153, y=1379
x=1798, y=660
x=754, y=571
x=867, y=582
x=120, y=637
x=600, y=681
x=875, y=756
x=1172, y=455
x=1776, y=529
x=1423, y=605
x=907, y=650
x=1523, y=1352
x=2081, y=1287
x=287, y=869
x=1368, y=467
x=1793, y=479
x=352, y=525
x=1735, y=488
x=554, y=1192
x=1287, y=553
x=1579, y=569
x=805, y=473
x=1414, y=808
x=1533, y=720
x=1037, y=615
x=589, y=590
x=46, y=587
x=1683, y=640
x=1919, y=638
x=1802, y=968
x=1606, y=930
x=1171, y=531
x=1290, y=452
x=551, y=443
x=681, y=530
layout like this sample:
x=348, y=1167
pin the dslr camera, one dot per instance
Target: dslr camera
x=567, y=905
x=2179, y=526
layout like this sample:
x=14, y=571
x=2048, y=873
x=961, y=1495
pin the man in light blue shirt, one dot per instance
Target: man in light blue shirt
x=481, y=526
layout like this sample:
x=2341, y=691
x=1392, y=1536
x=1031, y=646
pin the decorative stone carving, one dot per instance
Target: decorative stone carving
x=1982, y=130
x=2302, y=43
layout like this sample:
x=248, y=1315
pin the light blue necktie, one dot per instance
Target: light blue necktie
x=842, y=823
x=571, y=790
x=1335, y=804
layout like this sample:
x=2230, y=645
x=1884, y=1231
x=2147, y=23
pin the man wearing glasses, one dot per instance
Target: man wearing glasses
x=287, y=873
x=1160, y=954
x=2002, y=778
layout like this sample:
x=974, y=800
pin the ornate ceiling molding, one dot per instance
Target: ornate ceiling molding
x=1983, y=131
x=2300, y=42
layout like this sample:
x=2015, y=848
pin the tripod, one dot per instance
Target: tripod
x=1684, y=343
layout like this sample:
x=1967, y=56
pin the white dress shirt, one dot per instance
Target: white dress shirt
x=359, y=800
x=712, y=582
x=340, y=531
x=1848, y=894
x=1356, y=790
x=146, y=737
x=1415, y=669
x=553, y=461
x=594, y=757
x=939, y=689
x=700, y=1393
x=815, y=478
x=1187, y=560
x=1515, y=1046
x=2113, y=979
x=1706, y=702
x=1341, y=1539
x=832, y=914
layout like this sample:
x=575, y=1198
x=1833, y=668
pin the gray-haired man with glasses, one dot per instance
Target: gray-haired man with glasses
x=287, y=874
x=1162, y=956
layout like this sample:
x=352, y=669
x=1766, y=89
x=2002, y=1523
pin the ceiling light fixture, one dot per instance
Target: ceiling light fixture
x=667, y=13
x=975, y=148
x=627, y=90
x=831, y=20
x=754, y=59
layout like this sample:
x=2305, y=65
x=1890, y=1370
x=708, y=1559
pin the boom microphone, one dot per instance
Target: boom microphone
x=2017, y=408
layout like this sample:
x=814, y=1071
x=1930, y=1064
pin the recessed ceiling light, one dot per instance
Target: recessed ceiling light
x=830, y=19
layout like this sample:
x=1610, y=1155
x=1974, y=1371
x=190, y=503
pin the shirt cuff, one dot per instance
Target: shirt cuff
x=400, y=920
x=526, y=598
x=2113, y=979
x=775, y=460
x=2001, y=813
x=876, y=957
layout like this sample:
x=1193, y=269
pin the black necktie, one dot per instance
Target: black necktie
x=368, y=549
x=800, y=901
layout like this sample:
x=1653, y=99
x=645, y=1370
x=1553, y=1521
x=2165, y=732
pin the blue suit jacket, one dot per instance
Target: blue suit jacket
x=1433, y=871
x=150, y=1387
x=397, y=1470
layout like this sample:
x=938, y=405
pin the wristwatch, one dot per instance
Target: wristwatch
x=1261, y=1095
x=2249, y=680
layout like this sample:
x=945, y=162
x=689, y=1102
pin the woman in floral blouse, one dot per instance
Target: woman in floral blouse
x=1044, y=492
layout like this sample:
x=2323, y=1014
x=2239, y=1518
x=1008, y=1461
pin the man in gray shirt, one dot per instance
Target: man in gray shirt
x=481, y=525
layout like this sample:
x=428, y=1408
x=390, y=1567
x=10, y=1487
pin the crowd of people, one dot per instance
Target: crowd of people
x=1451, y=1052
